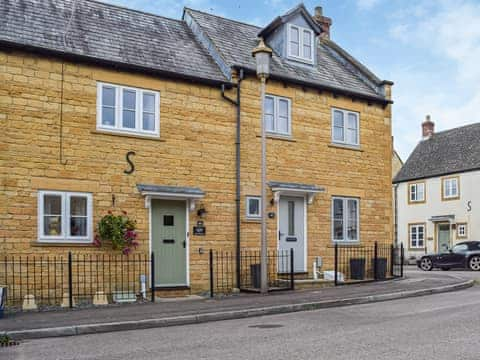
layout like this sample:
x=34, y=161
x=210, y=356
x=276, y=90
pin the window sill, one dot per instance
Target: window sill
x=278, y=137
x=345, y=146
x=133, y=136
x=60, y=244
x=253, y=220
x=416, y=249
x=344, y=243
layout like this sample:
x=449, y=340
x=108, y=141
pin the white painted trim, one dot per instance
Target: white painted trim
x=300, y=56
x=345, y=120
x=279, y=191
x=117, y=128
x=65, y=218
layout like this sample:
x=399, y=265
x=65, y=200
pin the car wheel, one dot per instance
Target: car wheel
x=445, y=268
x=426, y=264
x=474, y=263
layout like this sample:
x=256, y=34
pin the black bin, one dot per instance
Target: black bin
x=381, y=273
x=255, y=275
x=357, y=269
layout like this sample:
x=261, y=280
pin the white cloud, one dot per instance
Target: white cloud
x=447, y=34
x=367, y=4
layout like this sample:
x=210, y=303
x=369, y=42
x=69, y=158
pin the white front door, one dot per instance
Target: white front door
x=291, y=235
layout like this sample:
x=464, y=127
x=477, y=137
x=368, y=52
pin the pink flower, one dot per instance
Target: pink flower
x=135, y=244
x=124, y=212
x=109, y=212
x=96, y=241
x=126, y=251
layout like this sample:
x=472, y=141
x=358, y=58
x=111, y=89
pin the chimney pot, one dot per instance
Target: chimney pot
x=324, y=22
x=428, y=128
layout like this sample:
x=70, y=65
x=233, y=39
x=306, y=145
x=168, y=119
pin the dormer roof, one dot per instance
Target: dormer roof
x=289, y=15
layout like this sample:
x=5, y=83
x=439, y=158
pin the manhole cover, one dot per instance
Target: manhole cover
x=266, y=326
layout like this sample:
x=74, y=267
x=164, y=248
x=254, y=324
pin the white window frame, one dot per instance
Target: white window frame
x=445, y=187
x=345, y=219
x=118, y=127
x=346, y=113
x=65, y=214
x=410, y=233
x=300, y=57
x=247, y=207
x=462, y=234
x=276, y=101
x=415, y=186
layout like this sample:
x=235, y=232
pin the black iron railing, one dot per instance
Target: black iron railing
x=76, y=279
x=280, y=271
x=360, y=263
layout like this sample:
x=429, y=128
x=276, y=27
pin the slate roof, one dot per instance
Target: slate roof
x=447, y=152
x=235, y=40
x=130, y=39
x=108, y=33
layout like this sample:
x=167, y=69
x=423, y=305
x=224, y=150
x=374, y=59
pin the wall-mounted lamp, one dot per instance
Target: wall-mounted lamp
x=201, y=212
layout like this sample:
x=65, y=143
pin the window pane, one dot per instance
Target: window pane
x=307, y=46
x=291, y=218
x=129, y=99
x=148, y=122
x=420, y=192
x=78, y=226
x=269, y=105
x=108, y=116
x=338, y=219
x=352, y=121
x=129, y=119
x=269, y=125
x=108, y=96
x=283, y=116
x=338, y=134
x=52, y=225
x=352, y=136
x=52, y=205
x=352, y=229
x=338, y=119
x=78, y=206
x=294, y=42
x=253, y=207
x=149, y=103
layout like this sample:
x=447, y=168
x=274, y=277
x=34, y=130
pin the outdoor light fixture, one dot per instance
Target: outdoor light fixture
x=201, y=212
x=262, y=54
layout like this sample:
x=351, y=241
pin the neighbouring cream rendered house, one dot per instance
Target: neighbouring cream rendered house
x=438, y=191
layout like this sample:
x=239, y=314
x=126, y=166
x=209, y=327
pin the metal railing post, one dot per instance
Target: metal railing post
x=292, y=270
x=392, y=260
x=401, y=260
x=336, y=265
x=70, y=281
x=152, y=275
x=210, y=256
x=375, y=262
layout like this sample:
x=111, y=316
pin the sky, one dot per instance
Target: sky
x=430, y=49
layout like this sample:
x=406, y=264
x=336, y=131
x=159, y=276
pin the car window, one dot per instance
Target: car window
x=460, y=248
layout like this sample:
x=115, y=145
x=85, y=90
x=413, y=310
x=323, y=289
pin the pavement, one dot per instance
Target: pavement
x=440, y=327
x=27, y=325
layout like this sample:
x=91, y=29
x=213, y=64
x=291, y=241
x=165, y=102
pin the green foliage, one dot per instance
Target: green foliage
x=119, y=230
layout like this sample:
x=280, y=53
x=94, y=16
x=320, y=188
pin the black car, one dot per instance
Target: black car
x=465, y=255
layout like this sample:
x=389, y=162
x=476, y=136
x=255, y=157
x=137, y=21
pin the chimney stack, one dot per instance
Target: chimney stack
x=428, y=128
x=323, y=21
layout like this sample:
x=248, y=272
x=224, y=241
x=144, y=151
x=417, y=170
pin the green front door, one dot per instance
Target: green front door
x=443, y=234
x=169, y=242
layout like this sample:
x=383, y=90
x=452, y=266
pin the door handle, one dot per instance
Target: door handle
x=184, y=244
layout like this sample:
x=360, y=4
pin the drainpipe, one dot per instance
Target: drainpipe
x=395, y=215
x=237, y=180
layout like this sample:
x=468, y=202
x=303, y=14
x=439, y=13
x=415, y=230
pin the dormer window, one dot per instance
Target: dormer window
x=300, y=43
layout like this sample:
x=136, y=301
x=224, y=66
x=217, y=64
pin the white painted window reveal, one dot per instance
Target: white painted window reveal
x=345, y=219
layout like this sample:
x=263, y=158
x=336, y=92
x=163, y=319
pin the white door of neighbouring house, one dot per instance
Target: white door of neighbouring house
x=291, y=234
